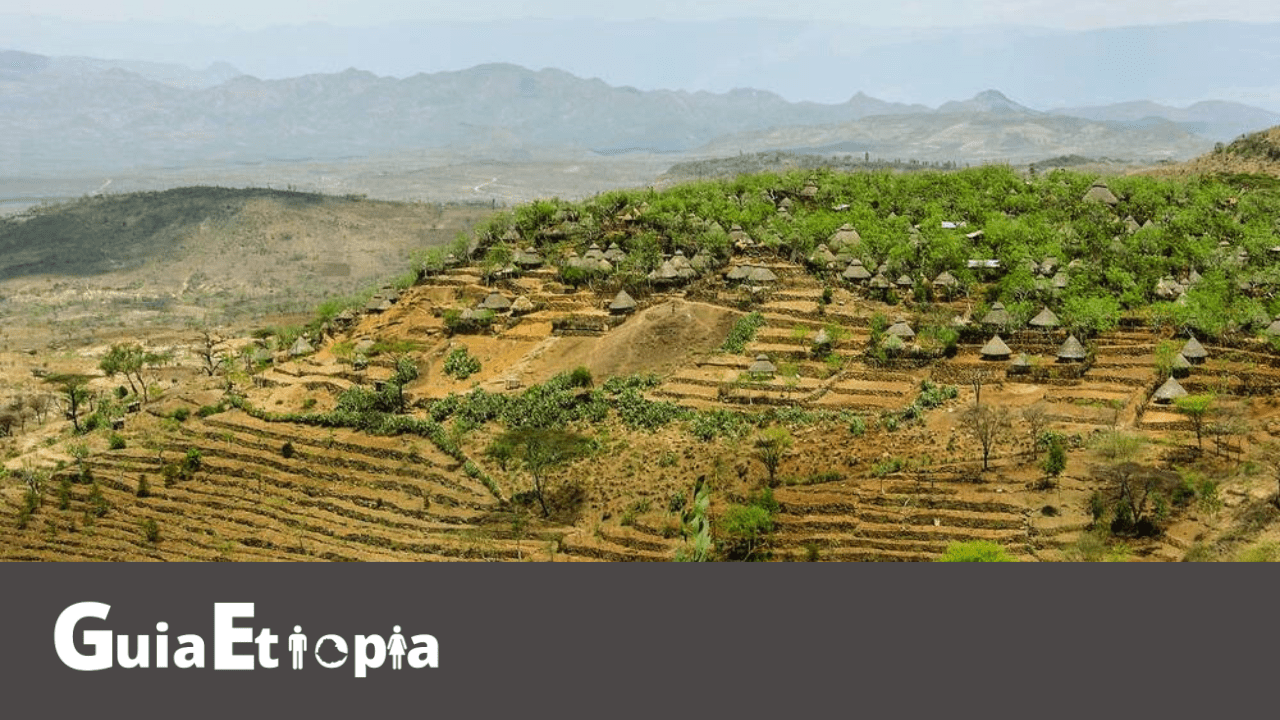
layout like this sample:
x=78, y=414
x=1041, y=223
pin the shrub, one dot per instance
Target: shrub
x=461, y=364
x=144, y=487
x=286, y=450
x=207, y=410
x=976, y=551
x=743, y=332
x=150, y=530
x=181, y=414
x=115, y=442
x=1055, y=460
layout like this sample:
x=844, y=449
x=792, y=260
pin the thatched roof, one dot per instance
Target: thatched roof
x=997, y=315
x=880, y=282
x=521, y=305
x=678, y=260
x=822, y=256
x=1194, y=351
x=1167, y=288
x=622, y=303
x=667, y=272
x=761, y=275
x=528, y=257
x=845, y=237
x=810, y=190
x=495, y=302
x=1131, y=225
x=1180, y=362
x=1099, y=192
x=945, y=279
x=301, y=347
x=738, y=272
x=762, y=366
x=740, y=238
x=1046, y=319
x=1072, y=350
x=1060, y=281
x=995, y=349
x=1022, y=362
x=702, y=261
x=905, y=281
x=822, y=338
x=900, y=329
x=1171, y=390
x=1274, y=328
x=856, y=271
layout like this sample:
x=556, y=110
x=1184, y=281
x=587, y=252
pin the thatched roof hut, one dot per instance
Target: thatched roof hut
x=666, y=273
x=301, y=347
x=702, y=261
x=1072, y=351
x=905, y=281
x=521, y=305
x=845, y=237
x=1046, y=319
x=614, y=254
x=880, y=282
x=1181, y=366
x=1168, y=392
x=761, y=275
x=1194, y=351
x=527, y=257
x=823, y=338
x=822, y=256
x=1131, y=225
x=998, y=315
x=737, y=273
x=762, y=366
x=945, y=280
x=809, y=191
x=900, y=329
x=856, y=272
x=1273, y=330
x=495, y=302
x=1060, y=281
x=995, y=349
x=1099, y=192
x=740, y=238
x=622, y=303
x=1020, y=364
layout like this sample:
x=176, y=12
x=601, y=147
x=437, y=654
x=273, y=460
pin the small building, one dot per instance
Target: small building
x=1273, y=330
x=1194, y=352
x=301, y=347
x=614, y=254
x=1168, y=392
x=905, y=282
x=1099, y=192
x=762, y=367
x=845, y=237
x=1181, y=367
x=998, y=315
x=822, y=257
x=945, y=280
x=1072, y=351
x=995, y=349
x=522, y=305
x=901, y=329
x=495, y=302
x=856, y=272
x=1020, y=365
x=880, y=282
x=737, y=273
x=1046, y=320
x=622, y=304
x=761, y=275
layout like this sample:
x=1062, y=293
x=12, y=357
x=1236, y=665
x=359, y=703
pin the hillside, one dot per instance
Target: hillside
x=205, y=252
x=1254, y=154
x=760, y=399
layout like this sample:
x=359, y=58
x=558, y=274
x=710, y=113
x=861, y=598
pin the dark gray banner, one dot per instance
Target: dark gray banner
x=672, y=641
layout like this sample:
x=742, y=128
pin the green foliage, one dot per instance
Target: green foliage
x=717, y=423
x=115, y=441
x=976, y=551
x=743, y=531
x=743, y=332
x=888, y=466
x=286, y=450
x=461, y=364
x=144, y=487
x=932, y=396
x=181, y=414
x=150, y=530
x=1055, y=460
x=770, y=447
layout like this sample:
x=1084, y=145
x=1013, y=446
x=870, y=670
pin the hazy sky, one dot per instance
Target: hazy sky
x=254, y=14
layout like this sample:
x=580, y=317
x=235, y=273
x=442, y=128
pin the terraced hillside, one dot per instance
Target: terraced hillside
x=540, y=401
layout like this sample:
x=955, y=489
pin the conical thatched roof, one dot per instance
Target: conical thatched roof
x=665, y=273
x=1194, y=351
x=1021, y=363
x=945, y=279
x=901, y=329
x=614, y=254
x=905, y=281
x=1072, y=350
x=1060, y=281
x=810, y=190
x=1046, y=319
x=822, y=256
x=1171, y=390
x=738, y=272
x=527, y=258
x=521, y=305
x=622, y=303
x=997, y=315
x=377, y=304
x=1274, y=328
x=762, y=366
x=678, y=260
x=761, y=275
x=822, y=338
x=856, y=271
x=845, y=237
x=301, y=347
x=1099, y=192
x=1180, y=362
x=1131, y=225
x=880, y=282
x=495, y=302
x=995, y=349
x=702, y=261
x=740, y=238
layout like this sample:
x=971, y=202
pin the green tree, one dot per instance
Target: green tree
x=988, y=425
x=541, y=450
x=1197, y=408
x=771, y=445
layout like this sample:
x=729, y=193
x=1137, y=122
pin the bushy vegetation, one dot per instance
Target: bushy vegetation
x=461, y=364
x=976, y=551
x=743, y=332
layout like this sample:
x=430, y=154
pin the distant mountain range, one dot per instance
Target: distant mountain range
x=63, y=115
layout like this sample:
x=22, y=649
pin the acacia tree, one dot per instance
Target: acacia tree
x=1197, y=408
x=210, y=358
x=540, y=450
x=771, y=446
x=988, y=425
x=1037, y=417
